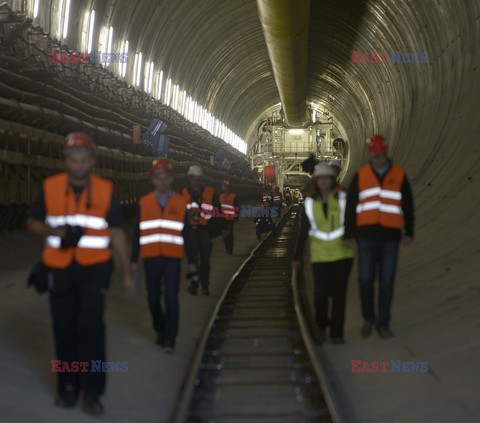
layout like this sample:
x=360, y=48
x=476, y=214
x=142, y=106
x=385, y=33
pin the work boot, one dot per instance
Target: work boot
x=338, y=340
x=159, y=340
x=67, y=398
x=367, y=329
x=193, y=288
x=168, y=346
x=321, y=336
x=384, y=332
x=92, y=405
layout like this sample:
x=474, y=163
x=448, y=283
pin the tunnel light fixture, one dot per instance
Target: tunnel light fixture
x=149, y=71
x=109, y=45
x=296, y=131
x=66, y=15
x=91, y=24
x=137, y=69
x=176, y=89
x=159, y=85
x=184, y=102
x=123, y=70
x=168, y=92
x=36, y=5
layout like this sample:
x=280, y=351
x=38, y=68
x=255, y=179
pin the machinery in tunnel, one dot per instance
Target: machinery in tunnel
x=285, y=147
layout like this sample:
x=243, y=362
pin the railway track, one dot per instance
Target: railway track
x=256, y=361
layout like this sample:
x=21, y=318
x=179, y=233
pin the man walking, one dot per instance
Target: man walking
x=201, y=201
x=379, y=207
x=230, y=210
x=78, y=215
x=161, y=236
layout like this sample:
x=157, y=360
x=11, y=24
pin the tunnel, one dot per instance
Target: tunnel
x=407, y=70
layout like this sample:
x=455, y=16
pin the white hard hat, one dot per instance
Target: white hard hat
x=336, y=163
x=323, y=169
x=195, y=170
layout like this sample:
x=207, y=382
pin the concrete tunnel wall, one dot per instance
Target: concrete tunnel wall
x=428, y=111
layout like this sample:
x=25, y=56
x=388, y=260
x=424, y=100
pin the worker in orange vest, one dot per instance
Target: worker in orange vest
x=79, y=217
x=277, y=200
x=230, y=212
x=201, y=203
x=162, y=234
x=379, y=207
x=267, y=195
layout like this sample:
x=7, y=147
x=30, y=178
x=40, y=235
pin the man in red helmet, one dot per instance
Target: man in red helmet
x=379, y=208
x=161, y=236
x=79, y=217
x=230, y=209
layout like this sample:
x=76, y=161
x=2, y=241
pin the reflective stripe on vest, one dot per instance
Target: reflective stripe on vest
x=163, y=238
x=314, y=231
x=380, y=204
x=88, y=211
x=204, y=210
x=161, y=229
x=327, y=245
x=228, y=209
x=86, y=221
x=193, y=205
x=162, y=223
x=86, y=241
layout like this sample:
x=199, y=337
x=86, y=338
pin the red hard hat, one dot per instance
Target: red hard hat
x=377, y=144
x=161, y=164
x=227, y=182
x=78, y=140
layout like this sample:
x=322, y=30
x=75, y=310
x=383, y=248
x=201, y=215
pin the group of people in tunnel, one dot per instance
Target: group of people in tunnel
x=80, y=218
x=375, y=213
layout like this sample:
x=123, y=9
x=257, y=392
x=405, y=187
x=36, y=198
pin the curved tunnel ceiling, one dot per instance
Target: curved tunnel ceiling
x=216, y=51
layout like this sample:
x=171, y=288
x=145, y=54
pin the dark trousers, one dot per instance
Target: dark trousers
x=331, y=278
x=203, y=248
x=77, y=304
x=228, y=226
x=370, y=253
x=163, y=271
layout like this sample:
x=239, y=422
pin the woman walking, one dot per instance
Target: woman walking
x=322, y=219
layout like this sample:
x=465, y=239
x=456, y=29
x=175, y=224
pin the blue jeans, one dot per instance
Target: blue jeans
x=385, y=253
x=163, y=271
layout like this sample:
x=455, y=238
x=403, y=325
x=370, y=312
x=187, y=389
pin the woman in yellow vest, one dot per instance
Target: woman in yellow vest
x=322, y=219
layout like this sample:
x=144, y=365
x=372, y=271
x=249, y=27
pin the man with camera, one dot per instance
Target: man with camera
x=78, y=216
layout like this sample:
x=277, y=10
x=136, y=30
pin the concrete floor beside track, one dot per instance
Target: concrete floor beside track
x=147, y=392
x=436, y=318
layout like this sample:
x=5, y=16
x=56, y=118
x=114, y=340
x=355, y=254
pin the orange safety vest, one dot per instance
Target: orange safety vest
x=161, y=230
x=89, y=212
x=277, y=198
x=380, y=204
x=226, y=202
x=266, y=197
x=205, y=209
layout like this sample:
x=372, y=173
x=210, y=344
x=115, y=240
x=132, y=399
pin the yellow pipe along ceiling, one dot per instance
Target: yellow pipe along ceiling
x=285, y=26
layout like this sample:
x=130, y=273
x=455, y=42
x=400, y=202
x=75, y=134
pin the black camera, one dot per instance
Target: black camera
x=72, y=236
